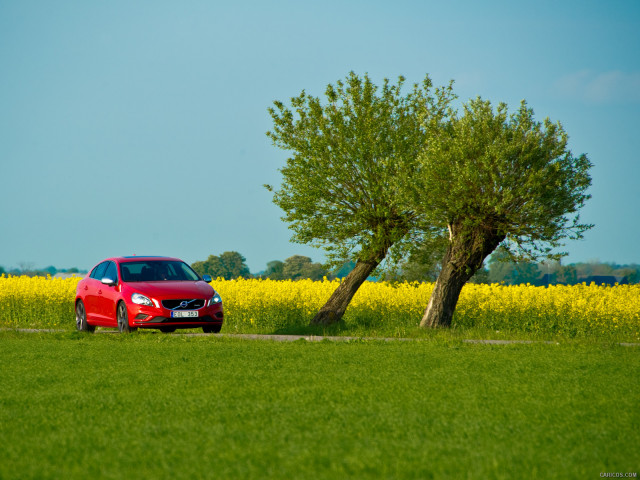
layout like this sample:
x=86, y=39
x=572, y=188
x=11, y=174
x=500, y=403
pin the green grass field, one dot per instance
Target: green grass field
x=156, y=406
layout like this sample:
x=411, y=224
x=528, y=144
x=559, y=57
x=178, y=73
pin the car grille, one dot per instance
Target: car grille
x=184, y=304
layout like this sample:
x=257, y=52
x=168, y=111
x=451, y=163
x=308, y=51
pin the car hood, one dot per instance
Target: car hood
x=173, y=289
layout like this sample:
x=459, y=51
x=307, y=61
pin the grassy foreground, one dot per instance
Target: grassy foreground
x=157, y=406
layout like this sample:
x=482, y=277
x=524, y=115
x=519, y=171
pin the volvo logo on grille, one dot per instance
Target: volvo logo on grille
x=181, y=304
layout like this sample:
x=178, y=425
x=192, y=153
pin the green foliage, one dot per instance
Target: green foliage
x=513, y=273
x=51, y=270
x=344, y=270
x=228, y=265
x=234, y=265
x=502, y=173
x=566, y=275
x=174, y=407
x=631, y=272
x=297, y=267
x=274, y=270
x=424, y=261
x=507, y=269
x=211, y=266
x=481, y=276
x=338, y=186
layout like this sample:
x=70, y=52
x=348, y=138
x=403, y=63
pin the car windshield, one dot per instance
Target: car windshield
x=157, y=271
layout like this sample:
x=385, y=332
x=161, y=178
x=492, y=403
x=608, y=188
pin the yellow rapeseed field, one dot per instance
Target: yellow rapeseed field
x=269, y=306
x=37, y=302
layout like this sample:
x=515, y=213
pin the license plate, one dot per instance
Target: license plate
x=189, y=314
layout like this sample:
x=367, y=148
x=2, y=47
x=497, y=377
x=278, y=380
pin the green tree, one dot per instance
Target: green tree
x=632, y=272
x=298, y=267
x=500, y=265
x=424, y=261
x=493, y=179
x=524, y=272
x=315, y=271
x=596, y=268
x=228, y=265
x=344, y=269
x=567, y=275
x=274, y=270
x=293, y=266
x=481, y=276
x=337, y=190
x=211, y=266
x=234, y=265
x=51, y=270
x=510, y=270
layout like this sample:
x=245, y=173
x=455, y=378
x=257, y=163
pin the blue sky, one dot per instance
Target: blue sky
x=133, y=127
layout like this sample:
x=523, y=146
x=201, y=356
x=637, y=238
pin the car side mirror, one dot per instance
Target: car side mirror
x=109, y=282
x=206, y=278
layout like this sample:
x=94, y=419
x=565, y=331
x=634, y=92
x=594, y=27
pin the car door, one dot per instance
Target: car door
x=91, y=295
x=108, y=295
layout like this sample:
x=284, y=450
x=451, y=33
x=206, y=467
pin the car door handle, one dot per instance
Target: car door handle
x=86, y=288
x=99, y=292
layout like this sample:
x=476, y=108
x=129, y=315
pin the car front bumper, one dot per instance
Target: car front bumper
x=155, y=317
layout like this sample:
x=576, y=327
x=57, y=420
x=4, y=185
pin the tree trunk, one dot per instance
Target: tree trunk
x=464, y=256
x=334, y=309
x=444, y=298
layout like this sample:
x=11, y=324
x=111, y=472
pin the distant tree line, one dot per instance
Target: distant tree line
x=29, y=270
x=503, y=270
x=297, y=267
x=554, y=273
x=227, y=265
x=424, y=266
x=231, y=265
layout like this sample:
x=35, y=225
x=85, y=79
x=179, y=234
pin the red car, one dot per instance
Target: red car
x=147, y=292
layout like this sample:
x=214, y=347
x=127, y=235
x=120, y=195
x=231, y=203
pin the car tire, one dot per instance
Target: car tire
x=123, y=319
x=212, y=328
x=81, y=319
x=167, y=329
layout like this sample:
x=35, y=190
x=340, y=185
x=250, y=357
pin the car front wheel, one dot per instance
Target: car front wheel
x=81, y=319
x=123, y=319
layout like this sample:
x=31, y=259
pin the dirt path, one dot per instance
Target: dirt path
x=309, y=338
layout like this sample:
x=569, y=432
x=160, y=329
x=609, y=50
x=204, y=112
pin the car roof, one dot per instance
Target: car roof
x=142, y=258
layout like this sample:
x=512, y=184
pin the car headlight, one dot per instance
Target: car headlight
x=215, y=299
x=141, y=300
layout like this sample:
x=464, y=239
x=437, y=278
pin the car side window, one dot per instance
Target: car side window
x=111, y=272
x=98, y=272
